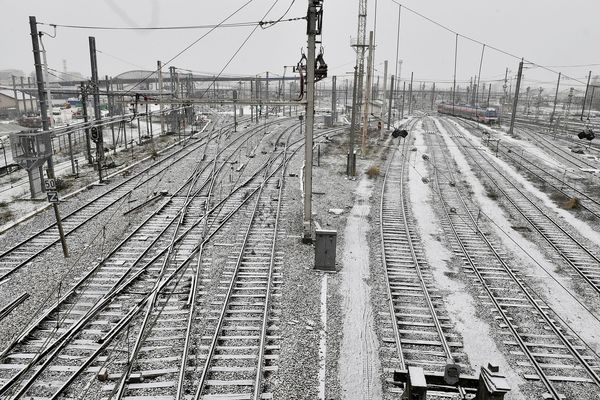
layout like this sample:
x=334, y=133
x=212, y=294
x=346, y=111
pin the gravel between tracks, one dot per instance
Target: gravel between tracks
x=51, y=273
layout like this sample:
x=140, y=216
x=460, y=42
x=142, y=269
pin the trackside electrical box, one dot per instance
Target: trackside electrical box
x=325, y=242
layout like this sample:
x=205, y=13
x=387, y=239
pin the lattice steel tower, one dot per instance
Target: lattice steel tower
x=361, y=48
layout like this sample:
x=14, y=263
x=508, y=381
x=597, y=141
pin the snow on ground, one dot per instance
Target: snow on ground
x=541, y=269
x=359, y=364
x=581, y=226
x=530, y=148
x=477, y=340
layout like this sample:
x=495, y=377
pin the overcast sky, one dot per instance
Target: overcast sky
x=550, y=32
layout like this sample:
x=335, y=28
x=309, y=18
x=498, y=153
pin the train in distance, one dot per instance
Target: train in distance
x=487, y=115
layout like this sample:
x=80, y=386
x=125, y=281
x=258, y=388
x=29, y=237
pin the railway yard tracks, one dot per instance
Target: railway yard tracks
x=575, y=251
x=571, y=175
x=18, y=255
x=546, y=350
x=422, y=333
x=186, y=305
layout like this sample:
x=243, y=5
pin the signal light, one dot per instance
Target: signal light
x=399, y=132
x=94, y=134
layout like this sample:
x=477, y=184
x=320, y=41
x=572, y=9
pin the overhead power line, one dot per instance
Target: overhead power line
x=264, y=24
x=549, y=69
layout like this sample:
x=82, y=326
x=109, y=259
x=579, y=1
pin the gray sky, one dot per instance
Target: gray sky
x=553, y=33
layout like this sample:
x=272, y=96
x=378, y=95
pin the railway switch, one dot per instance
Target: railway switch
x=490, y=385
x=416, y=388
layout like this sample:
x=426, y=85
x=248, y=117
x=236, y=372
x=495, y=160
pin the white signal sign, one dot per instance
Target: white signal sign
x=50, y=184
x=52, y=196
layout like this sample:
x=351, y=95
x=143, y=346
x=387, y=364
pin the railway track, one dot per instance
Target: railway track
x=20, y=254
x=146, y=334
x=566, y=135
x=560, y=183
x=559, y=148
x=423, y=335
x=577, y=252
x=547, y=351
x=570, y=186
x=127, y=266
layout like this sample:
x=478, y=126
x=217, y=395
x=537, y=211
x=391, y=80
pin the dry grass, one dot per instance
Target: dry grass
x=62, y=184
x=5, y=214
x=373, y=171
x=572, y=203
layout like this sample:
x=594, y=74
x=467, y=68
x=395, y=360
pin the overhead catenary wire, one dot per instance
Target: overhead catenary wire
x=237, y=51
x=458, y=34
x=261, y=23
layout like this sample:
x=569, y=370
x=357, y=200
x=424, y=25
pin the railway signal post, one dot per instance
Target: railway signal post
x=96, y=95
x=45, y=125
x=314, y=29
x=516, y=100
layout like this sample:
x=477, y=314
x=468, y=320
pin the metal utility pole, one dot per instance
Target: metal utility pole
x=568, y=110
x=390, y=103
x=49, y=94
x=111, y=112
x=410, y=88
x=384, y=99
x=235, y=98
x=267, y=97
x=454, y=77
x=97, y=115
x=334, y=99
x=252, y=98
x=397, y=51
x=88, y=145
x=516, y=100
x=555, y=99
x=591, y=102
x=538, y=103
x=160, y=96
x=174, y=116
x=15, y=94
x=586, y=93
x=30, y=96
x=23, y=95
x=432, y=96
x=402, y=106
x=505, y=86
x=315, y=10
x=361, y=48
x=351, y=168
x=45, y=125
x=489, y=93
x=367, y=99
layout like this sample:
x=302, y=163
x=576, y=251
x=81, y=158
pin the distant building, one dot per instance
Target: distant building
x=7, y=74
x=10, y=105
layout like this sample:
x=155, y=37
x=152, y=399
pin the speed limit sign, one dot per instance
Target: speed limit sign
x=50, y=184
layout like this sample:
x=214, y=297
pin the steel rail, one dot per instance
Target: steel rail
x=384, y=261
x=263, y=330
x=152, y=301
x=80, y=284
x=581, y=273
x=556, y=330
x=213, y=344
x=112, y=292
x=56, y=347
x=129, y=317
x=424, y=288
x=89, y=204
